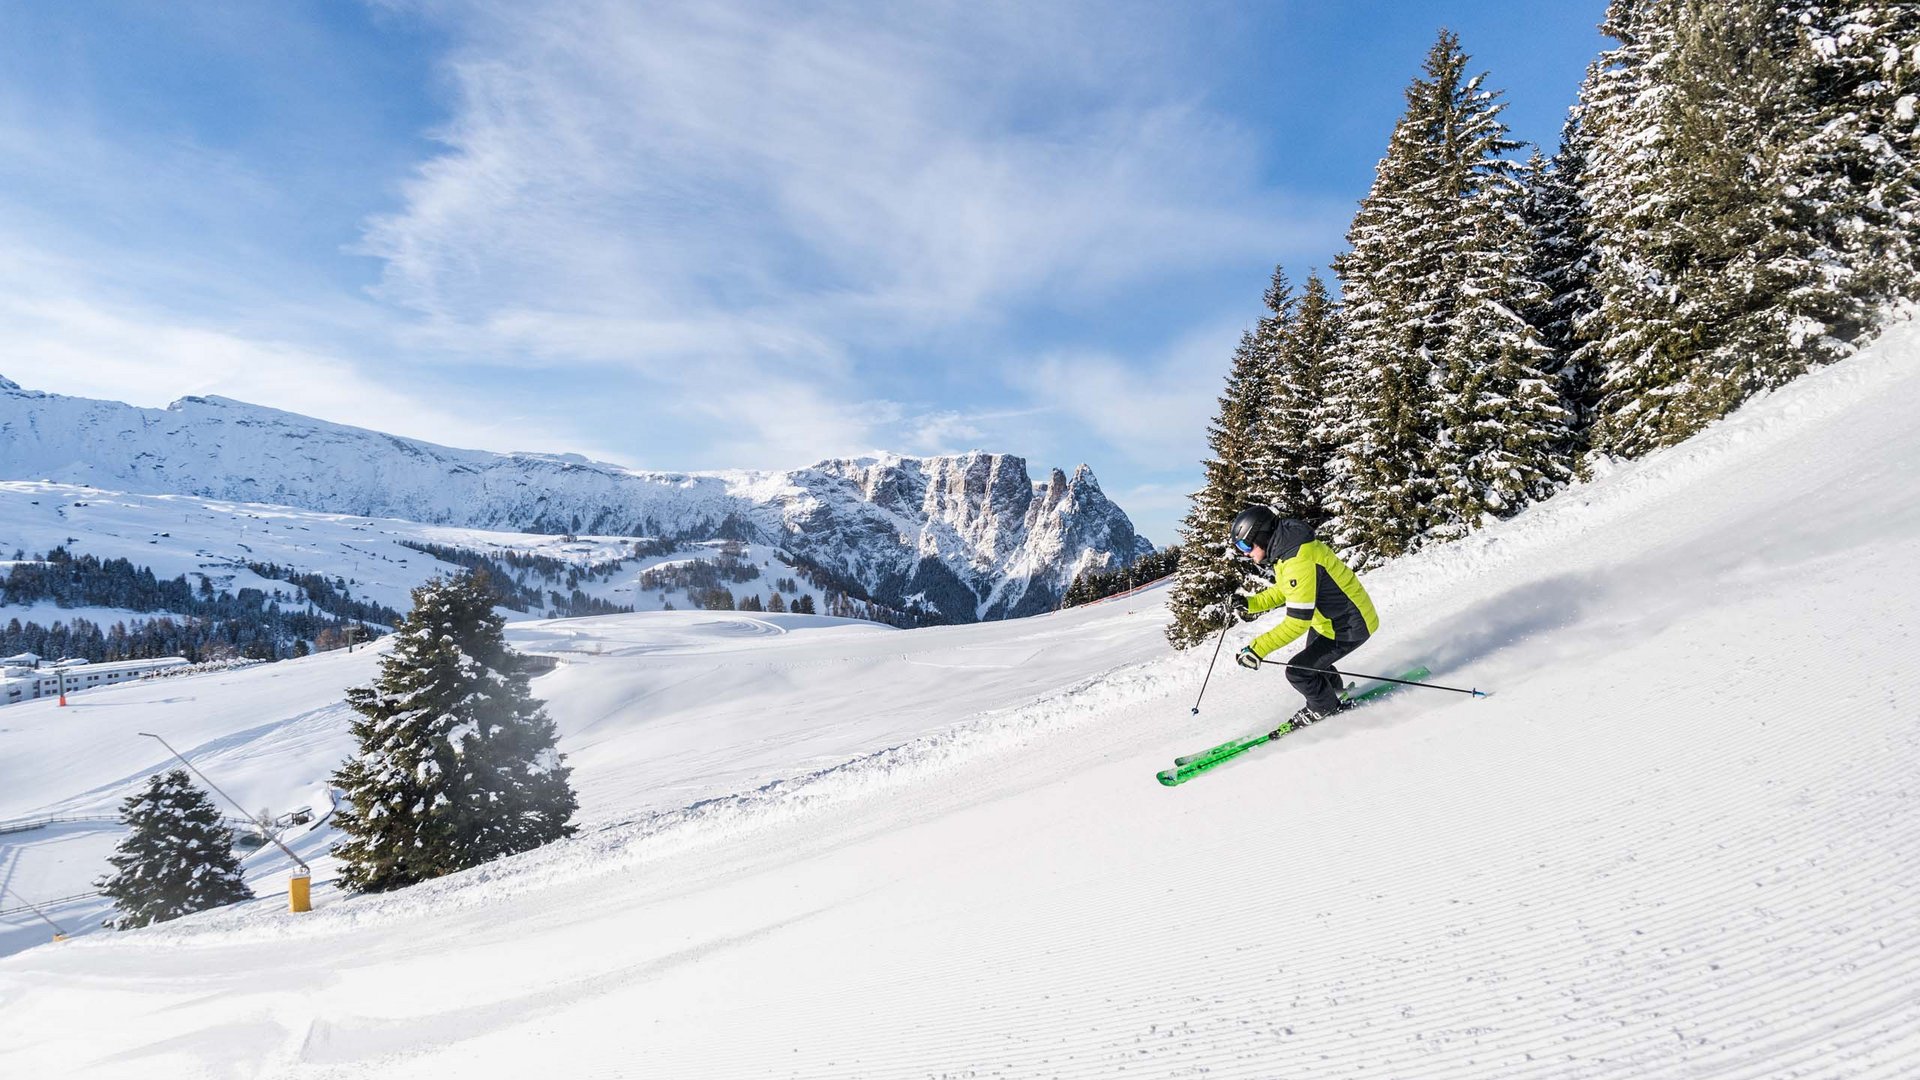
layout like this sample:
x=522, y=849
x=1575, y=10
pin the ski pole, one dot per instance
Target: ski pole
x=1380, y=678
x=1216, y=659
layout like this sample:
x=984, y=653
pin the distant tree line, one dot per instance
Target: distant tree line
x=331, y=596
x=843, y=597
x=526, y=581
x=708, y=582
x=779, y=605
x=1735, y=200
x=694, y=575
x=1090, y=585
x=578, y=605
x=721, y=598
x=211, y=625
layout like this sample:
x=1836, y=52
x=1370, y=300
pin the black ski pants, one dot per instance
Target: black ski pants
x=1320, y=685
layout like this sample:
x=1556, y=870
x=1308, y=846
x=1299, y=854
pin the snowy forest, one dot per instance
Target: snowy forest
x=200, y=622
x=1094, y=584
x=1733, y=202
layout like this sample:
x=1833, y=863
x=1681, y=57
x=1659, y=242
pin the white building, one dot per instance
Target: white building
x=21, y=681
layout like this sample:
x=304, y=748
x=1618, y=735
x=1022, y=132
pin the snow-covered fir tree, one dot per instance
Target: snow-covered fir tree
x=1747, y=186
x=1502, y=425
x=1437, y=298
x=1634, y=337
x=177, y=857
x=1210, y=571
x=1298, y=434
x=1753, y=294
x=1853, y=175
x=1562, y=243
x=1263, y=464
x=457, y=764
x=1735, y=197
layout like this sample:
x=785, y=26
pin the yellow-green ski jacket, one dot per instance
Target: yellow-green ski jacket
x=1319, y=592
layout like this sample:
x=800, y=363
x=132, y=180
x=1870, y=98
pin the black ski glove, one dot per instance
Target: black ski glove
x=1247, y=658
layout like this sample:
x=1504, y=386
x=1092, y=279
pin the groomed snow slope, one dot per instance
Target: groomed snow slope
x=1679, y=840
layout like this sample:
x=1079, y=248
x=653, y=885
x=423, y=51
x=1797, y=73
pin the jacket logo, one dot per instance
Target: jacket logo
x=1292, y=584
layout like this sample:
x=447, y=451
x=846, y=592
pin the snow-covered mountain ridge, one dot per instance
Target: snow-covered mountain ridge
x=972, y=535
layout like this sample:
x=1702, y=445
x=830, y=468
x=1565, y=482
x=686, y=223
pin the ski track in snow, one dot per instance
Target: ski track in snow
x=1680, y=840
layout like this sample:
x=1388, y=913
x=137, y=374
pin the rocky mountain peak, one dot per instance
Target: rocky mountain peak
x=970, y=535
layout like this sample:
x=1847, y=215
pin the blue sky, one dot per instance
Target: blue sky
x=708, y=235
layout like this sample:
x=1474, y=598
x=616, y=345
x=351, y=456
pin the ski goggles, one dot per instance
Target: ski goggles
x=1242, y=546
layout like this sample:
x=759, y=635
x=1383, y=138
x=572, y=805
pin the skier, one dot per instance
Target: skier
x=1320, y=594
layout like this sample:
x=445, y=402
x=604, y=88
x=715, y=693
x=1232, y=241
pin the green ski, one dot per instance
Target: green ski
x=1371, y=693
x=1180, y=774
x=1191, y=765
x=1231, y=746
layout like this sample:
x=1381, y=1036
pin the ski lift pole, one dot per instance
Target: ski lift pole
x=300, y=886
x=1216, y=659
x=58, y=934
x=1379, y=678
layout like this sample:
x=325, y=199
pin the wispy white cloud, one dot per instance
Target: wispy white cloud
x=752, y=186
x=62, y=338
x=1151, y=411
x=1157, y=509
x=947, y=431
x=783, y=232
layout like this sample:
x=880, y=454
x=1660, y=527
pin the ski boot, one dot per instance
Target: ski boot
x=1307, y=715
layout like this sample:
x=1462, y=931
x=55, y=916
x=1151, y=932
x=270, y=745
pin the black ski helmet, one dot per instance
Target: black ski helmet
x=1254, y=527
x=1259, y=526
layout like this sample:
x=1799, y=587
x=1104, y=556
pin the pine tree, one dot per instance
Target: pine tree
x=1437, y=295
x=456, y=764
x=1561, y=233
x=176, y=859
x=1210, y=572
x=1722, y=207
x=1296, y=435
x=1749, y=276
x=1634, y=337
x=1502, y=426
x=1262, y=462
x=1853, y=174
